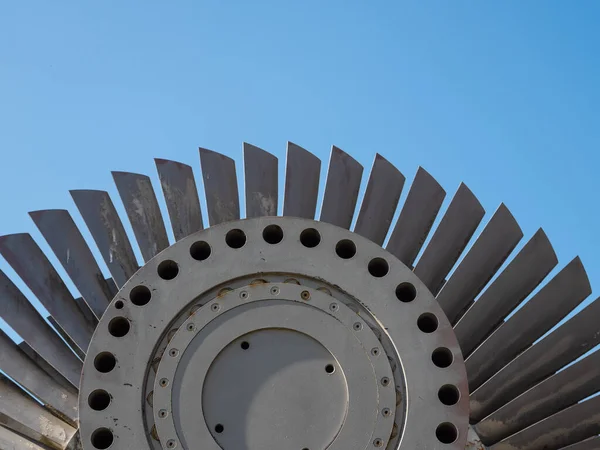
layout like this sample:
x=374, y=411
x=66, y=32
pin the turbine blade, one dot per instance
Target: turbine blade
x=261, y=182
x=302, y=172
x=220, y=187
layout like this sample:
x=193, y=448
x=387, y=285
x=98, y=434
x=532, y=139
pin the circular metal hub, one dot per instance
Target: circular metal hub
x=274, y=333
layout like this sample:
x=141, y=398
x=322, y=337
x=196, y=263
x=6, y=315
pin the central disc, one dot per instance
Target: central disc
x=279, y=380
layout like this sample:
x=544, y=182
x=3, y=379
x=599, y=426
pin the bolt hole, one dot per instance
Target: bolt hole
x=442, y=357
x=427, y=323
x=385, y=381
x=168, y=269
x=102, y=438
x=235, y=238
x=345, y=249
x=119, y=304
x=118, y=327
x=140, y=295
x=245, y=345
x=273, y=234
x=449, y=395
x=329, y=368
x=310, y=238
x=99, y=400
x=105, y=362
x=200, y=250
x=378, y=267
x=219, y=428
x=446, y=433
x=406, y=292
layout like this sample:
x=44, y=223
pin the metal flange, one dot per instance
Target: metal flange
x=274, y=333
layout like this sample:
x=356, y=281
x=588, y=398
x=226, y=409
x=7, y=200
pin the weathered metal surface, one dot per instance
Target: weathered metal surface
x=341, y=191
x=524, y=273
x=144, y=214
x=449, y=239
x=578, y=335
x=104, y=223
x=63, y=334
x=18, y=366
x=302, y=172
x=22, y=414
x=422, y=205
x=16, y=310
x=569, y=426
x=220, y=187
x=67, y=243
x=42, y=364
x=10, y=440
x=588, y=444
x=497, y=240
x=261, y=177
x=545, y=309
x=558, y=392
x=30, y=263
x=380, y=201
x=181, y=196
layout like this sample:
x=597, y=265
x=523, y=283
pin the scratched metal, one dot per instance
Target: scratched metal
x=21, y=413
x=420, y=209
x=261, y=179
x=30, y=263
x=577, y=336
x=302, y=172
x=588, y=444
x=449, y=239
x=341, y=191
x=10, y=440
x=574, y=424
x=63, y=334
x=23, y=318
x=497, y=240
x=544, y=310
x=181, y=195
x=18, y=366
x=220, y=187
x=380, y=200
x=144, y=214
x=558, y=392
x=42, y=364
x=524, y=273
x=67, y=243
x=104, y=223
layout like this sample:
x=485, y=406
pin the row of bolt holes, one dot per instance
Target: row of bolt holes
x=272, y=234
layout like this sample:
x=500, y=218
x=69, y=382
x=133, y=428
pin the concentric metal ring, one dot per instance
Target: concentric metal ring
x=365, y=282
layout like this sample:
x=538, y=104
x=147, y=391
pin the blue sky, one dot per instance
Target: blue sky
x=501, y=95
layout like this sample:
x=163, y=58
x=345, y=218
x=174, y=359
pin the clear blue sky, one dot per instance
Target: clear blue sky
x=503, y=95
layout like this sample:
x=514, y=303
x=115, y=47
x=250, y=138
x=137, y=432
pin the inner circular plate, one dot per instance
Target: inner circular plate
x=334, y=266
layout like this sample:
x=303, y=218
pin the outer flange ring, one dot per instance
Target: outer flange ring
x=133, y=353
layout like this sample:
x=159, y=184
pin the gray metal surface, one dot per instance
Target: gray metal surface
x=24, y=415
x=491, y=248
x=379, y=203
x=302, y=173
x=449, y=239
x=545, y=309
x=67, y=243
x=104, y=223
x=16, y=310
x=181, y=196
x=569, y=426
x=261, y=177
x=144, y=214
x=290, y=259
x=9, y=440
x=18, y=366
x=578, y=335
x=422, y=205
x=30, y=263
x=527, y=270
x=42, y=364
x=558, y=392
x=220, y=187
x=341, y=191
x=588, y=444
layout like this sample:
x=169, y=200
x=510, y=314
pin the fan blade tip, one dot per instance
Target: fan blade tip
x=161, y=161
